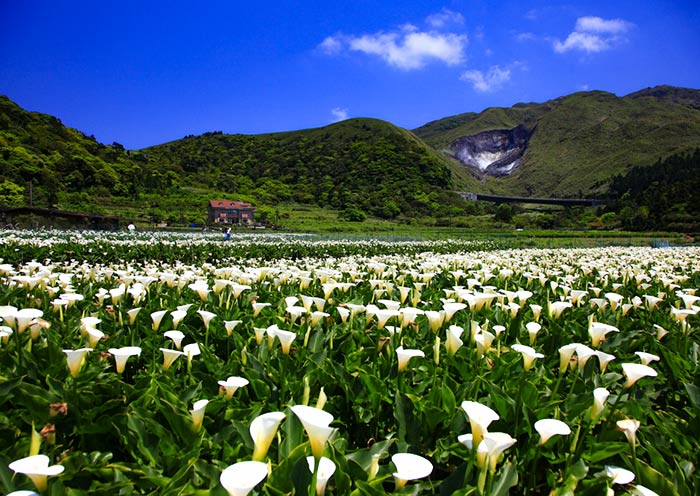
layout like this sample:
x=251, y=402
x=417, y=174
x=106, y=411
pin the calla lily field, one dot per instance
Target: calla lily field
x=271, y=364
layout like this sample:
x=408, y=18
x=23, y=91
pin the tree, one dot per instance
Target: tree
x=504, y=213
x=11, y=195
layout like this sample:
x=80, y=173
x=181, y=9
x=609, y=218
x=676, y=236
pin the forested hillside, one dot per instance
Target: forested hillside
x=665, y=195
x=572, y=146
x=360, y=166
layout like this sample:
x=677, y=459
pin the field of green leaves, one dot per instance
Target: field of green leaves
x=182, y=364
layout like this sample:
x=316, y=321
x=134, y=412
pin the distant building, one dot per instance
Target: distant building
x=231, y=212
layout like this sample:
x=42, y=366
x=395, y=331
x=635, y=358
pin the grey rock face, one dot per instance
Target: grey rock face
x=496, y=153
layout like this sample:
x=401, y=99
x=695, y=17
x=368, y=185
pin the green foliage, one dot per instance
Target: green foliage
x=353, y=215
x=11, y=195
x=360, y=163
x=133, y=433
x=665, y=195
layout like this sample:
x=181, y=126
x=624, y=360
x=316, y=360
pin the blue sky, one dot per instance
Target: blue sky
x=146, y=72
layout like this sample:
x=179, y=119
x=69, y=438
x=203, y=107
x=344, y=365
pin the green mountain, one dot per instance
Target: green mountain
x=363, y=166
x=570, y=146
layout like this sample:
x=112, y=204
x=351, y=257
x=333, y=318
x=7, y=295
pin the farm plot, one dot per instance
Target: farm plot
x=453, y=370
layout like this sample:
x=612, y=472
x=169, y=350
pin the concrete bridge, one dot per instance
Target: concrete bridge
x=567, y=202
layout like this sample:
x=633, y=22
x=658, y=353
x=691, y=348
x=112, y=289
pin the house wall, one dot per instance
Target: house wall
x=231, y=216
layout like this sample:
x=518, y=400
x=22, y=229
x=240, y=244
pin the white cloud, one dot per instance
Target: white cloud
x=599, y=25
x=331, y=45
x=586, y=42
x=407, y=47
x=593, y=35
x=339, y=114
x=525, y=37
x=492, y=80
x=445, y=17
x=412, y=50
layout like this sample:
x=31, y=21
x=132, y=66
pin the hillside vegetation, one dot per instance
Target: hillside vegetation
x=581, y=140
x=576, y=145
x=664, y=195
x=359, y=166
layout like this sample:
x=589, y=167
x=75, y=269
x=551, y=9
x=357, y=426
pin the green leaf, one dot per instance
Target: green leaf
x=693, y=394
x=508, y=477
x=574, y=474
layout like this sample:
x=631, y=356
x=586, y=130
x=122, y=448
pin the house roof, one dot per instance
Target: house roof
x=231, y=204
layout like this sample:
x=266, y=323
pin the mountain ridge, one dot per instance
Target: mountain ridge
x=570, y=146
x=594, y=135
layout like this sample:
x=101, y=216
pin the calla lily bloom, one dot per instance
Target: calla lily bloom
x=529, y=354
x=37, y=469
x=7, y=314
x=23, y=493
x=584, y=353
x=404, y=355
x=316, y=423
x=435, y=319
x=410, y=467
x=230, y=325
x=75, y=359
x=206, y=317
x=640, y=490
x=454, y=341
x=178, y=316
x=87, y=322
x=614, y=299
x=597, y=332
x=94, y=336
x=647, y=358
x=480, y=417
x=5, y=333
x=629, y=428
x=383, y=315
x=495, y=443
x=197, y=413
x=240, y=478
x=191, y=350
x=635, y=371
x=660, y=332
x=122, y=354
x=451, y=308
x=483, y=342
x=25, y=316
x=619, y=475
x=317, y=316
x=556, y=308
x=604, y=359
x=600, y=396
x=232, y=384
x=326, y=469
x=169, y=357
x=286, y=339
x=258, y=306
x=132, y=314
x=295, y=312
x=262, y=430
x=176, y=337
x=157, y=317
x=548, y=428
x=532, y=329
x=536, y=311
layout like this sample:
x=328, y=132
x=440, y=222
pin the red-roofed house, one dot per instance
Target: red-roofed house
x=231, y=212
